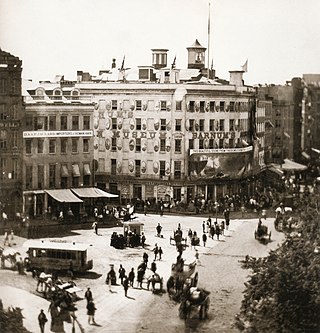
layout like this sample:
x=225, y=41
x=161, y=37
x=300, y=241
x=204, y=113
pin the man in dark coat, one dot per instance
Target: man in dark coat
x=91, y=309
x=88, y=295
x=42, y=319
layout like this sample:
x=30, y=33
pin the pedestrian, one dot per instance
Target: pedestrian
x=160, y=252
x=145, y=258
x=95, y=227
x=212, y=231
x=158, y=229
x=91, y=309
x=204, y=239
x=190, y=235
x=155, y=251
x=125, y=285
x=12, y=235
x=264, y=214
x=204, y=226
x=143, y=239
x=42, y=319
x=153, y=266
x=122, y=273
x=197, y=257
x=226, y=214
x=141, y=272
x=88, y=295
x=161, y=208
x=131, y=277
x=218, y=231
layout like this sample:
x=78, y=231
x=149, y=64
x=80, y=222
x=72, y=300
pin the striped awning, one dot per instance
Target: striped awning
x=63, y=195
x=92, y=192
x=75, y=170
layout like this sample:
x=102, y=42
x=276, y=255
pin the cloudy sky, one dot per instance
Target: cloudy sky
x=280, y=38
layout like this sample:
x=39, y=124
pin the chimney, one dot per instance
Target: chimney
x=159, y=58
x=79, y=76
x=236, y=78
x=113, y=65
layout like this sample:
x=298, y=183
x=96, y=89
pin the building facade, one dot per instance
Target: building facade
x=155, y=133
x=11, y=115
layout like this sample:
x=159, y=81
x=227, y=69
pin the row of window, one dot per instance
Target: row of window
x=193, y=124
x=163, y=168
x=35, y=175
x=52, y=145
x=56, y=254
x=192, y=106
x=53, y=123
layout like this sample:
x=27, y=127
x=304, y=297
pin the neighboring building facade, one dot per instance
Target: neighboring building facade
x=57, y=145
x=11, y=115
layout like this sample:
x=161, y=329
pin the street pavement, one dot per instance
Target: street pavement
x=143, y=311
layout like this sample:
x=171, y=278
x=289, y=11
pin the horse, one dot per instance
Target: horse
x=195, y=298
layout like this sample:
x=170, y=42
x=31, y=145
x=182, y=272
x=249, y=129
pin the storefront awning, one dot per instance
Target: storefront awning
x=64, y=195
x=292, y=166
x=75, y=170
x=92, y=192
x=276, y=170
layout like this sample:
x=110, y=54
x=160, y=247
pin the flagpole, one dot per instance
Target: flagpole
x=209, y=42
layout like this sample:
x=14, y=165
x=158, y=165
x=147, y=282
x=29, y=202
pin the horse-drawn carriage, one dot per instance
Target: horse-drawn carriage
x=262, y=234
x=194, y=300
x=183, y=273
x=178, y=239
x=155, y=280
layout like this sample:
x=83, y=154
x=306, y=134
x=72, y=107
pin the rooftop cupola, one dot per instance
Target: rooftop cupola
x=196, y=55
x=159, y=58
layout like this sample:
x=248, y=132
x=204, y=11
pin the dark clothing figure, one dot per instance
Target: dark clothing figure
x=212, y=231
x=131, y=277
x=226, y=214
x=125, y=285
x=160, y=252
x=145, y=258
x=88, y=295
x=203, y=226
x=42, y=319
x=153, y=267
x=218, y=231
x=141, y=272
x=204, y=239
x=122, y=273
x=111, y=277
x=158, y=228
x=155, y=251
x=143, y=240
x=91, y=309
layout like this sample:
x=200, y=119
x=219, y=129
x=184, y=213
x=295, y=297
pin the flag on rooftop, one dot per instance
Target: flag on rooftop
x=245, y=66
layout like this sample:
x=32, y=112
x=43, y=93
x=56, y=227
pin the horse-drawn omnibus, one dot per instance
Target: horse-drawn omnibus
x=57, y=255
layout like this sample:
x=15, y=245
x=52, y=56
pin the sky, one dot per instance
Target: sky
x=280, y=38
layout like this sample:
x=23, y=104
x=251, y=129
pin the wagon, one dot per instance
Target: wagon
x=196, y=300
x=262, y=234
